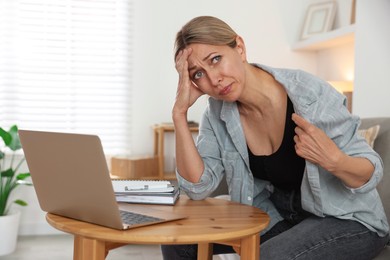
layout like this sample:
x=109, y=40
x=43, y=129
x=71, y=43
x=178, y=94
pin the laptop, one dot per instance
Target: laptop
x=71, y=179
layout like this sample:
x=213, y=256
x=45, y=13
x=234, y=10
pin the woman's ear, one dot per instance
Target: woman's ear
x=240, y=47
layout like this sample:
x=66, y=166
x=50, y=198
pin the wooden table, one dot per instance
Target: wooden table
x=209, y=221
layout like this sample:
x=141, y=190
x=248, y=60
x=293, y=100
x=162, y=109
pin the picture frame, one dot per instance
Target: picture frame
x=319, y=19
x=345, y=14
x=353, y=12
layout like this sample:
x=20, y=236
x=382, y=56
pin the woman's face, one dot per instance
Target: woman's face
x=218, y=71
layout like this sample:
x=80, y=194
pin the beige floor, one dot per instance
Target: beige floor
x=60, y=247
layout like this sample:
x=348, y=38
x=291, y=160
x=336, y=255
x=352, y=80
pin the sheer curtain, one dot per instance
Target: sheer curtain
x=65, y=65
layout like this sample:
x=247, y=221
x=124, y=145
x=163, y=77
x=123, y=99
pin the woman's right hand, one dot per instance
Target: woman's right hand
x=187, y=92
x=188, y=161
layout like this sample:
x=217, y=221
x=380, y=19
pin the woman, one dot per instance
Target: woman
x=285, y=143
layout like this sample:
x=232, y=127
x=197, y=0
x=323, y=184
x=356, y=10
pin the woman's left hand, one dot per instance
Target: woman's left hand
x=312, y=144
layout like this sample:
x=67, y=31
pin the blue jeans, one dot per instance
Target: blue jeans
x=301, y=236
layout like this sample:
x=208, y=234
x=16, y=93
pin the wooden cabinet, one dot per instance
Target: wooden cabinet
x=134, y=167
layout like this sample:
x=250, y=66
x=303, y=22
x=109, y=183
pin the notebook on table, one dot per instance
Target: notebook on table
x=146, y=191
x=71, y=179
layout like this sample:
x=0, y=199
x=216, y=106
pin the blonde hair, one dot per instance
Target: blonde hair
x=205, y=30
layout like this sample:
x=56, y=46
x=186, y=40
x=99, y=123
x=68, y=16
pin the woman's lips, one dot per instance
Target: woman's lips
x=225, y=90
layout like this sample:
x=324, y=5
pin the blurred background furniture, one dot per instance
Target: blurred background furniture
x=159, y=136
x=382, y=146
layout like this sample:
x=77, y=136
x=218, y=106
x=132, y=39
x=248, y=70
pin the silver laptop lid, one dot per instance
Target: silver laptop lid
x=70, y=176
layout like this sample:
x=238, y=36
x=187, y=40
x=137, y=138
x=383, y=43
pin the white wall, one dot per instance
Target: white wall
x=372, y=68
x=337, y=64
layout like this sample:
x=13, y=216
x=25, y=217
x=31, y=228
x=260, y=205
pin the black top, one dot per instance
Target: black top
x=284, y=168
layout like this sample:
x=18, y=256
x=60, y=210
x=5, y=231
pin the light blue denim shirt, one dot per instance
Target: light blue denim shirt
x=222, y=146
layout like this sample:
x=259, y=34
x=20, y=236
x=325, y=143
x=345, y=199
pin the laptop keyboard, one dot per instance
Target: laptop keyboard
x=131, y=218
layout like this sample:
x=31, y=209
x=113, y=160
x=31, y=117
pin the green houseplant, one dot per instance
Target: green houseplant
x=9, y=180
x=9, y=176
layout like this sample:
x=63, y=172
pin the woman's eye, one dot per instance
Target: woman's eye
x=216, y=59
x=198, y=75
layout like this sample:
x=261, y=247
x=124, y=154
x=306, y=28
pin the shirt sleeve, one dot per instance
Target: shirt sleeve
x=213, y=170
x=332, y=116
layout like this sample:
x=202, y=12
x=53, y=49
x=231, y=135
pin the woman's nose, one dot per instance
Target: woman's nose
x=215, y=77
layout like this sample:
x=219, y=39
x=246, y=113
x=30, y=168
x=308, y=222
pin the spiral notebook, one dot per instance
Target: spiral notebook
x=142, y=186
x=71, y=179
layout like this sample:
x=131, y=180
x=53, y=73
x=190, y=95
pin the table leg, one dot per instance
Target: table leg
x=205, y=251
x=88, y=249
x=250, y=247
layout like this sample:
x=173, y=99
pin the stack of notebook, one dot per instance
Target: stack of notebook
x=145, y=191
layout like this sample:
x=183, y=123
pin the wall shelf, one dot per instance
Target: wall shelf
x=327, y=40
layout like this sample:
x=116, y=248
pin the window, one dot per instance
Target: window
x=65, y=65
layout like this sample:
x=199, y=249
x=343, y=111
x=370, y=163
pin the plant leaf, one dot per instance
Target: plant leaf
x=8, y=178
x=21, y=202
x=22, y=176
x=8, y=173
x=15, y=141
x=7, y=138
